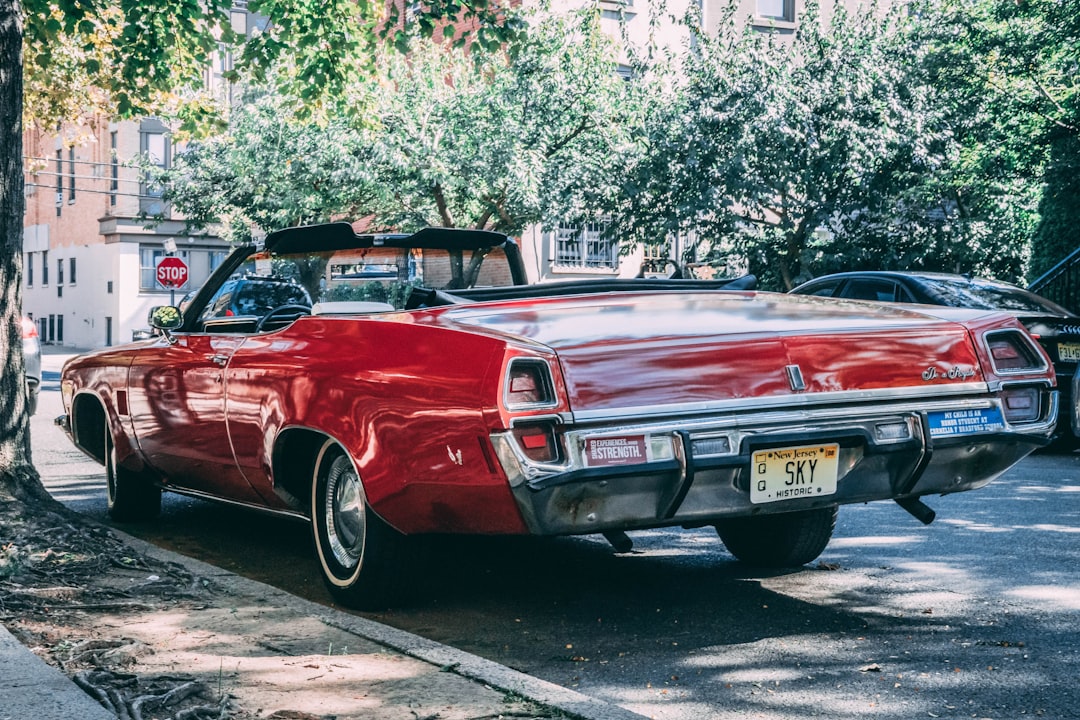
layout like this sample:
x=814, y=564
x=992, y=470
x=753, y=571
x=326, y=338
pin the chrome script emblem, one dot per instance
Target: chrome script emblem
x=953, y=373
x=795, y=378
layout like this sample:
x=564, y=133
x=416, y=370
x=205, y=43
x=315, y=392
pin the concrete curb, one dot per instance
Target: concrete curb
x=31, y=688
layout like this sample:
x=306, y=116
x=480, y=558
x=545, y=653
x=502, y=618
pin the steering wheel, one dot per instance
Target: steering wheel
x=283, y=310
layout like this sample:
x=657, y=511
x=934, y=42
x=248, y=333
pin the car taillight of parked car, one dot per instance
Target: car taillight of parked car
x=29, y=329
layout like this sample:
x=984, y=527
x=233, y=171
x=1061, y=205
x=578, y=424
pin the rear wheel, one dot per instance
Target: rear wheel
x=131, y=497
x=784, y=540
x=361, y=556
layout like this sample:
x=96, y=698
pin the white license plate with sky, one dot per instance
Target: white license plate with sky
x=792, y=473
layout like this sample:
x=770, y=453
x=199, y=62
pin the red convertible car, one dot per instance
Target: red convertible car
x=445, y=396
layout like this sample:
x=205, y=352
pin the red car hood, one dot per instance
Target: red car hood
x=640, y=350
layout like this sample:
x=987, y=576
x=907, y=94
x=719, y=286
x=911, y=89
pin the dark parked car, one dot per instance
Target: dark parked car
x=32, y=362
x=1056, y=329
x=253, y=297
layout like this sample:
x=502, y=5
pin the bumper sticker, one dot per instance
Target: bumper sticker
x=605, y=451
x=965, y=422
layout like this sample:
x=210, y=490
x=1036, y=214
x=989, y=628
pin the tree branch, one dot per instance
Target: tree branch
x=1001, y=88
x=440, y=203
x=559, y=145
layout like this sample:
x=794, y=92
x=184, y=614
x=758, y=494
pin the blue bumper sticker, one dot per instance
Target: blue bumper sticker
x=965, y=422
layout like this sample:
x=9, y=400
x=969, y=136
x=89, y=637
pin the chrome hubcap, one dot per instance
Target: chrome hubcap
x=344, y=513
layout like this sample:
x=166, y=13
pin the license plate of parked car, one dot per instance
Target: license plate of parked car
x=794, y=472
x=1069, y=351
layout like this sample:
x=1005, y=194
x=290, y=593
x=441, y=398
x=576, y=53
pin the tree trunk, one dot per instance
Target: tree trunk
x=18, y=478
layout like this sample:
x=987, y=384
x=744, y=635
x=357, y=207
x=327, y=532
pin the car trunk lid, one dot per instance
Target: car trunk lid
x=638, y=351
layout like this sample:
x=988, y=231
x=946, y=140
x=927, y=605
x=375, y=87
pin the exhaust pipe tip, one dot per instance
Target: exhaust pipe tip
x=920, y=510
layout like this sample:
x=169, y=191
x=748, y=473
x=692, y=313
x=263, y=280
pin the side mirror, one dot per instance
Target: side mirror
x=165, y=318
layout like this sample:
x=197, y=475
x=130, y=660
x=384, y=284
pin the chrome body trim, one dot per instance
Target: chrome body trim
x=795, y=378
x=292, y=514
x=759, y=403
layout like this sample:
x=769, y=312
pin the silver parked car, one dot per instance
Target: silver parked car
x=32, y=360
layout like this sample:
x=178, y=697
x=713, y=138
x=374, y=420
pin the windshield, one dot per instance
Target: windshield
x=990, y=296
x=383, y=274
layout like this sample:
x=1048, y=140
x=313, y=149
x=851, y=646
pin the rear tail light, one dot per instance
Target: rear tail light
x=528, y=385
x=1021, y=404
x=1012, y=352
x=538, y=441
x=29, y=329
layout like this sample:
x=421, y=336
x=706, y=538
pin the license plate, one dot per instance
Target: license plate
x=607, y=451
x=794, y=472
x=965, y=422
x=1069, y=351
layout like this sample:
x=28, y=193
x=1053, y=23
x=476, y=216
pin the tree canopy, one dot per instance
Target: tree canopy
x=487, y=139
x=130, y=57
x=938, y=136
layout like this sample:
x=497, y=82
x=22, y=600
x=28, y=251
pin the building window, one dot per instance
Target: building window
x=156, y=147
x=108, y=287
x=59, y=291
x=584, y=246
x=782, y=10
x=44, y=268
x=29, y=269
x=114, y=173
x=59, y=181
x=216, y=257
x=71, y=271
x=59, y=271
x=71, y=175
x=148, y=260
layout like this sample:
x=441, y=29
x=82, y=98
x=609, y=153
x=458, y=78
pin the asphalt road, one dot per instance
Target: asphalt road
x=977, y=615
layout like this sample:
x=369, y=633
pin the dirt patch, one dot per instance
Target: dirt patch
x=148, y=639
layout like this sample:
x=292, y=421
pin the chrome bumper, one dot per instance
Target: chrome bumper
x=697, y=485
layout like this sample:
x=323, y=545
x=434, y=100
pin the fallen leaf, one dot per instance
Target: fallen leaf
x=874, y=667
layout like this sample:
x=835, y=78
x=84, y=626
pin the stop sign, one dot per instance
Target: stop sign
x=172, y=273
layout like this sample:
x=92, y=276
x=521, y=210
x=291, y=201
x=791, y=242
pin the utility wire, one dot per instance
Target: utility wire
x=116, y=163
x=96, y=192
x=84, y=177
